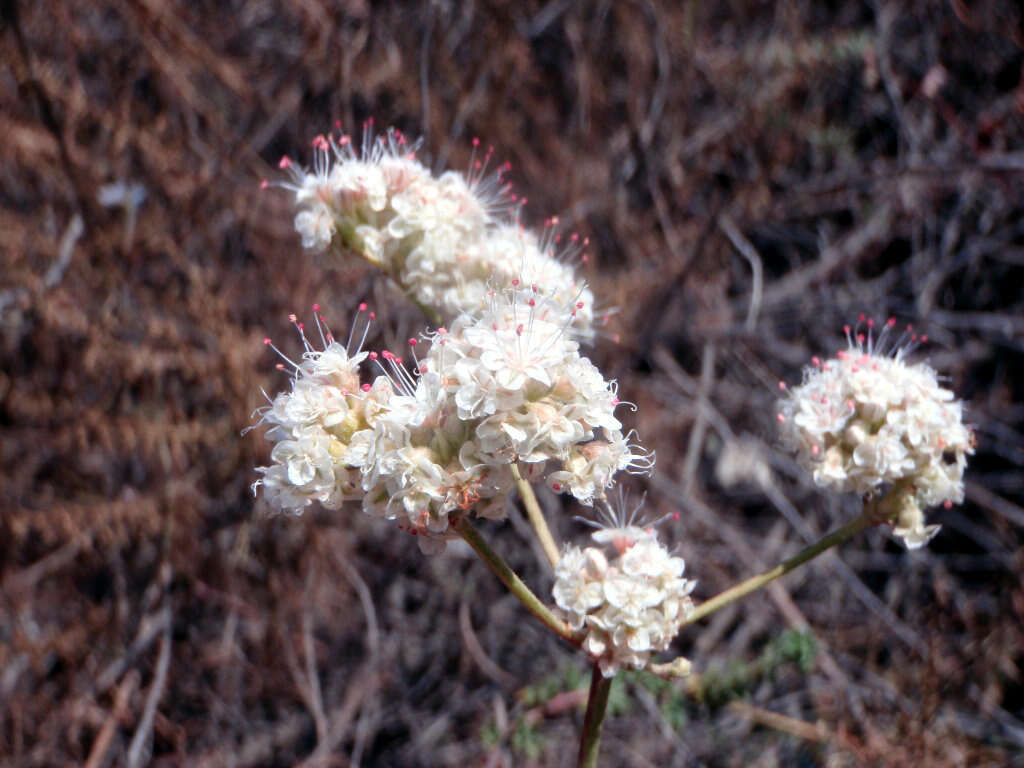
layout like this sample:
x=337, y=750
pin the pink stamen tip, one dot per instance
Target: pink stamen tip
x=279, y=366
x=442, y=331
x=815, y=361
x=815, y=450
x=292, y=318
x=615, y=401
x=871, y=322
x=412, y=342
x=924, y=339
x=519, y=330
x=782, y=386
x=579, y=305
x=373, y=315
x=891, y=322
x=302, y=326
x=476, y=141
x=556, y=487
x=398, y=361
x=337, y=124
x=846, y=329
x=515, y=282
x=860, y=338
x=373, y=355
x=316, y=307
x=585, y=259
x=266, y=341
x=532, y=302
x=365, y=387
x=264, y=184
x=947, y=504
x=423, y=368
x=284, y=162
x=861, y=317
x=781, y=418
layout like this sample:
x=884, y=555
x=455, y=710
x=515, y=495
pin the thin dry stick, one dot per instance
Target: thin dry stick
x=536, y=515
x=156, y=690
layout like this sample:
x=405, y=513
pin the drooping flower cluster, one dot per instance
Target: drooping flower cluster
x=442, y=239
x=506, y=386
x=628, y=607
x=867, y=421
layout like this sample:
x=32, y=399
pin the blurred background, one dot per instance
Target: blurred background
x=751, y=175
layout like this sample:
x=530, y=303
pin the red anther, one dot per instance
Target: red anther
x=386, y=355
x=519, y=330
x=616, y=338
x=781, y=418
x=442, y=330
x=850, y=405
x=584, y=259
x=337, y=124
x=891, y=322
x=413, y=342
x=266, y=340
x=330, y=336
x=782, y=386
x=292, y=318
x=558, y=238
x=398, y=361
x=815, y=361
x=615, y=401
x=316, y=307
x=515, y=281
x=284, y=162
x=373, y=315
x=345, y=139
x=579, y=305
x=586, y=241
x=532, y=302
x=846, y=329
x=860, y=317
x=373, y=355
x=476, y=141
x=947, y=504
x=264, y=184
x=924, y=339
x=423, y=368
x=575, y=237
x=279, y=366
x=556, y=487
x=362, y=307
x=301, y=326
x=815, y=450
x=365, y=387
x=871, y=322
x=909, y=327
x=860, y=338
x=525, y=201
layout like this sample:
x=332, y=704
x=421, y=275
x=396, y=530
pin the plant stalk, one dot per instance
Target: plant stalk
x=597, y=706
x=536, y=515
x=511, y=580
x=754, y=583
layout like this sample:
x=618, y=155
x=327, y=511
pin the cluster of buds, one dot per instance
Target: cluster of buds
x=504, y=387
x=628, y=607
x=445, y=240
x=870, y=422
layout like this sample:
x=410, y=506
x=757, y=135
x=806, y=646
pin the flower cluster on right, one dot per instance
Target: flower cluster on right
x=870, y=422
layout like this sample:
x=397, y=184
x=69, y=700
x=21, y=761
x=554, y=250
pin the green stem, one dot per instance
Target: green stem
x=511, y=580
x=597, y=706
x=742, y=589
x=536, y=515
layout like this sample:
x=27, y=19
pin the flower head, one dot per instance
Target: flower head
x=869, y=421
x=629, y=606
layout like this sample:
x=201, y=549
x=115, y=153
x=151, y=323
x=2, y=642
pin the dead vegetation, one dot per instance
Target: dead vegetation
x=751, y=176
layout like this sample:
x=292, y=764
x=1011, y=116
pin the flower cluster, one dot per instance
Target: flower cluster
x=867, y=421
x=502, y=387
x=441, y=238
x=627, y=607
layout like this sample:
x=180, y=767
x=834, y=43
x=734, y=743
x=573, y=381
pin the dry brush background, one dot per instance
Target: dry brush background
x=751, y=175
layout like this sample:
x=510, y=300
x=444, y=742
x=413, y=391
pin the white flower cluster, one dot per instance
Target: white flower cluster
x=439, y=238
x=867, y=421
x=628, y=607
x=506, y=386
